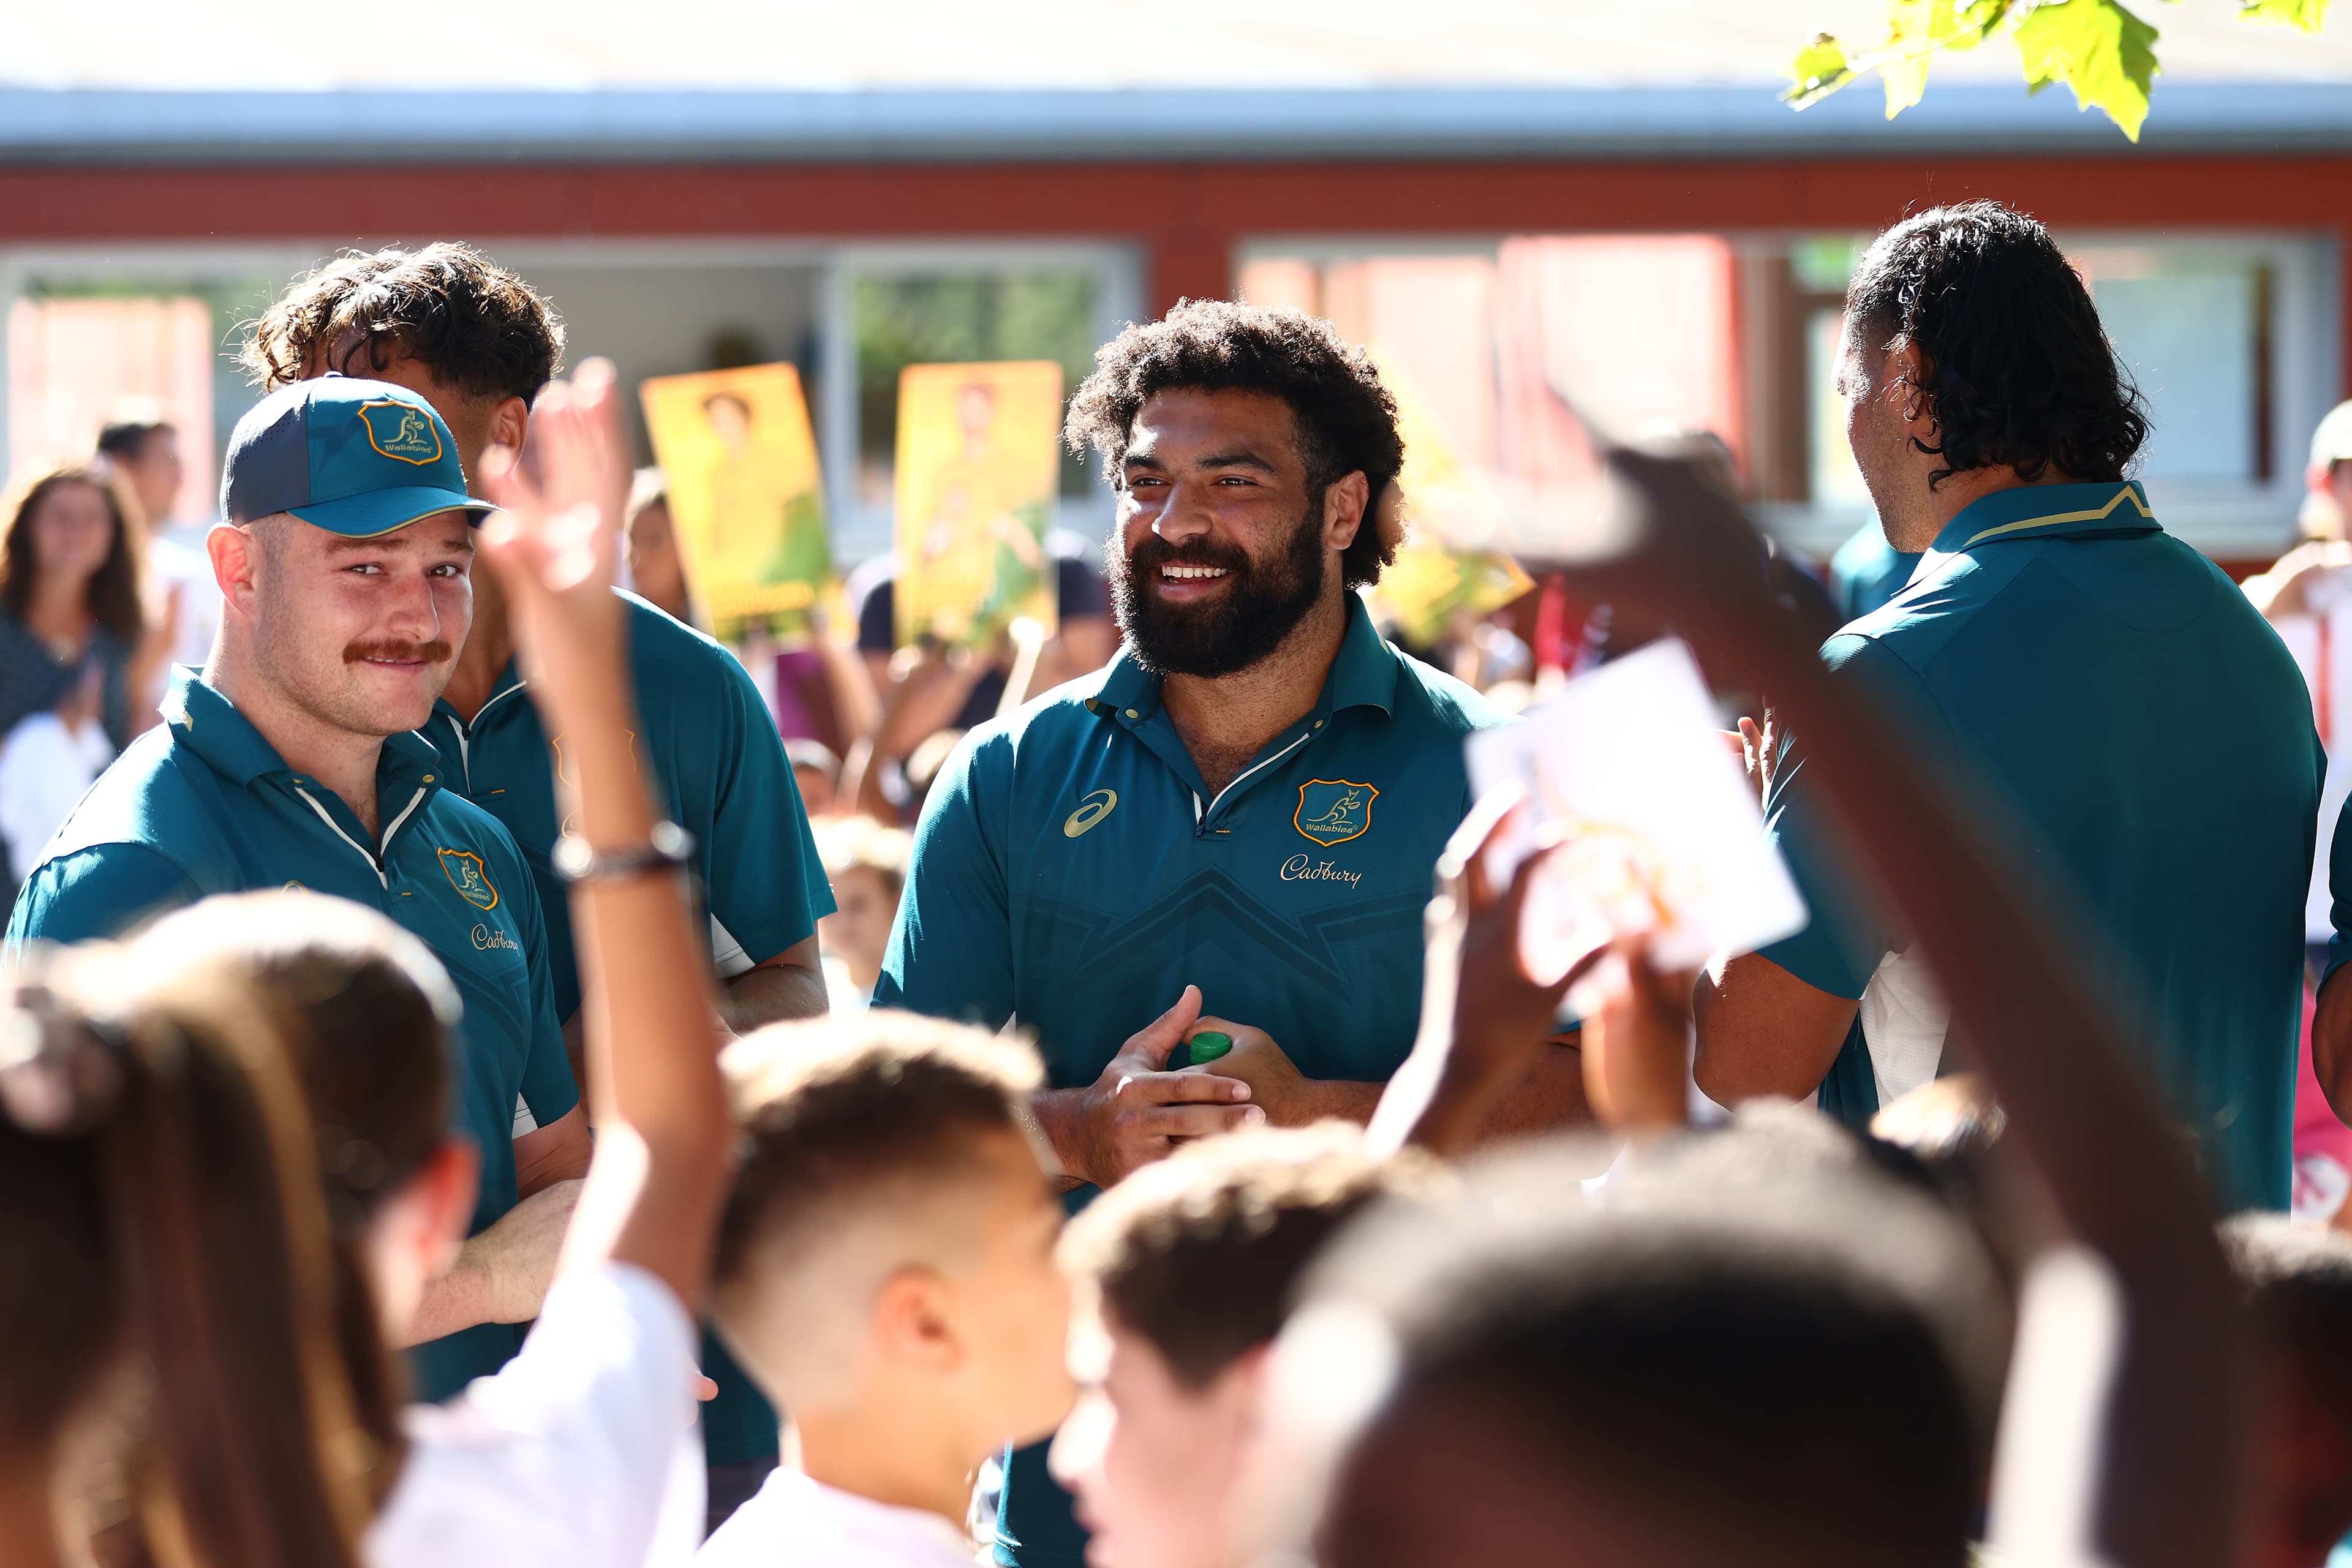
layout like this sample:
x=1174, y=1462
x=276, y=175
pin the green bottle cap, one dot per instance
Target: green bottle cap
x=1209, y=1045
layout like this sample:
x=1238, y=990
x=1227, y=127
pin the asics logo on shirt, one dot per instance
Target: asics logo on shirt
x=1092, y=809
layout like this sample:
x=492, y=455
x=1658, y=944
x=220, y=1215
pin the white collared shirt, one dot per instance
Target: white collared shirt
x=803, y=1523
x=580, y=1453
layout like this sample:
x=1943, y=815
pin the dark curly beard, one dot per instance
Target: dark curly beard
x=1262, y=607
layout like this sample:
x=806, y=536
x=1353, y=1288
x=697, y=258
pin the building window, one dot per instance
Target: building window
x=946, y=317
x=2230, y=338
x=897, y=308
x=2193, y=326
x=1506, y=351
x=84, y=347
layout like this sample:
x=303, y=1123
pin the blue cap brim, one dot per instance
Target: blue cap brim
x=382, y=511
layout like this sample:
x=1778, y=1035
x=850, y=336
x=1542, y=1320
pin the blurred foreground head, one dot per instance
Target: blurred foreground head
x=1184, y=1272
x=1759, y=1351
x=2297, y=1279
x=167, y=1333
x=367, y=1021
x=369, y=1018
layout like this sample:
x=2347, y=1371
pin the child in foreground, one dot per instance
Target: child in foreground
x=886, y=1273
x=2297, y=1280
x=1184, y=1272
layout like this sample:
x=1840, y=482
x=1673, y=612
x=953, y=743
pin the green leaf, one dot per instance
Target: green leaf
x=2307, y=15
x=2102, y=51
x=1915, y=30
x=1975, y=20
x=1819, y=70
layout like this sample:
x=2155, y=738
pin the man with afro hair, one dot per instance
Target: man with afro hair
x=1230, y=832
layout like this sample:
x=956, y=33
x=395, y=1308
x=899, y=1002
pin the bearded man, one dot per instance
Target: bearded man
x=1240, y=817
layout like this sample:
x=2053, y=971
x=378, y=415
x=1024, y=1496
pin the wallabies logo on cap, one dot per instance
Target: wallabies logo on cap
x=402, y=431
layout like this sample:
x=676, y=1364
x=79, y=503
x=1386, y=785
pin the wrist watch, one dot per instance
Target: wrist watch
x=576, y=860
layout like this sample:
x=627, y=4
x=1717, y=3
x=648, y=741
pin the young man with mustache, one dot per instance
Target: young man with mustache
x=1240, y=816
x=343, y=564
x=478, y=343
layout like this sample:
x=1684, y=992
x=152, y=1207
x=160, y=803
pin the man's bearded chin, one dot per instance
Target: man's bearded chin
x=1261, y=607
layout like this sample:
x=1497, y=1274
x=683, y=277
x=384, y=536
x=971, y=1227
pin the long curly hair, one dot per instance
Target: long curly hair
x=1347, y=417
x=2016, y=370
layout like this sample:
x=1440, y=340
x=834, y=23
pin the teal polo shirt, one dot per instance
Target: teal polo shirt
x=2141, y=741
x=203, y=804
x=721, y=771
x=1866, y=571
x=1074, y=873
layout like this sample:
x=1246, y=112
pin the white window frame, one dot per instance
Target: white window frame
x=2243, y=519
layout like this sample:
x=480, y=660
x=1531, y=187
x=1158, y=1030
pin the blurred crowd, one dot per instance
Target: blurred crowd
x=491, y=1074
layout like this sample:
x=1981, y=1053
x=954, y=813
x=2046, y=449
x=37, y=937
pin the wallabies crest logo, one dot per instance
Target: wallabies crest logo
x=399, y=431
x=1332, y=811
x=469, y=877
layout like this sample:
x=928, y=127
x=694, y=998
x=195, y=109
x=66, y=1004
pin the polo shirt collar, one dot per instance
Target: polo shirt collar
x=2048, y=511
x=1364, y=675
x=208, y=724
x=510, y=680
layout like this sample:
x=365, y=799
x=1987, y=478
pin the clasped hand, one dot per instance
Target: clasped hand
x=1137, y=1111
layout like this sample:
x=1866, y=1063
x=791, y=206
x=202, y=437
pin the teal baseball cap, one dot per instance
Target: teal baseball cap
x=355, y=457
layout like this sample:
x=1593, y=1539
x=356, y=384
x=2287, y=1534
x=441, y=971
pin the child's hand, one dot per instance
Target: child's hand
x=1637, y=1041
x=1502, y=1014
x=1485, y=1019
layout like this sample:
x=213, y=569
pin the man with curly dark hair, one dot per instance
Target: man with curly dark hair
x=1241, y=814
x=2107, y=693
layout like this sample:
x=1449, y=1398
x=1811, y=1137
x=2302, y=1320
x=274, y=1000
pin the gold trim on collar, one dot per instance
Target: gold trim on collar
x=2126, y=494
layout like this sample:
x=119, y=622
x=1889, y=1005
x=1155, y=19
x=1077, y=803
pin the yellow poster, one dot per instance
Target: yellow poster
x=1445, y=570
x=745, y=495
x=979, y=463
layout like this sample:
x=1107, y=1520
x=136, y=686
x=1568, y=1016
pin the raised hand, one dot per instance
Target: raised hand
x=1759, y=752
x=1637, y=1074
x=1485, y=1019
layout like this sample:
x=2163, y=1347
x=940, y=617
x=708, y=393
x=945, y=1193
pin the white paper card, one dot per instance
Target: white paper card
x=1658, y=830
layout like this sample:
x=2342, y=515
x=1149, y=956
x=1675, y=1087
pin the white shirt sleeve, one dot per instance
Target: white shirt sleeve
x=581, y=1453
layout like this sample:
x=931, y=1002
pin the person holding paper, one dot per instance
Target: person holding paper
x=1239, y=818
x=2093, y=685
